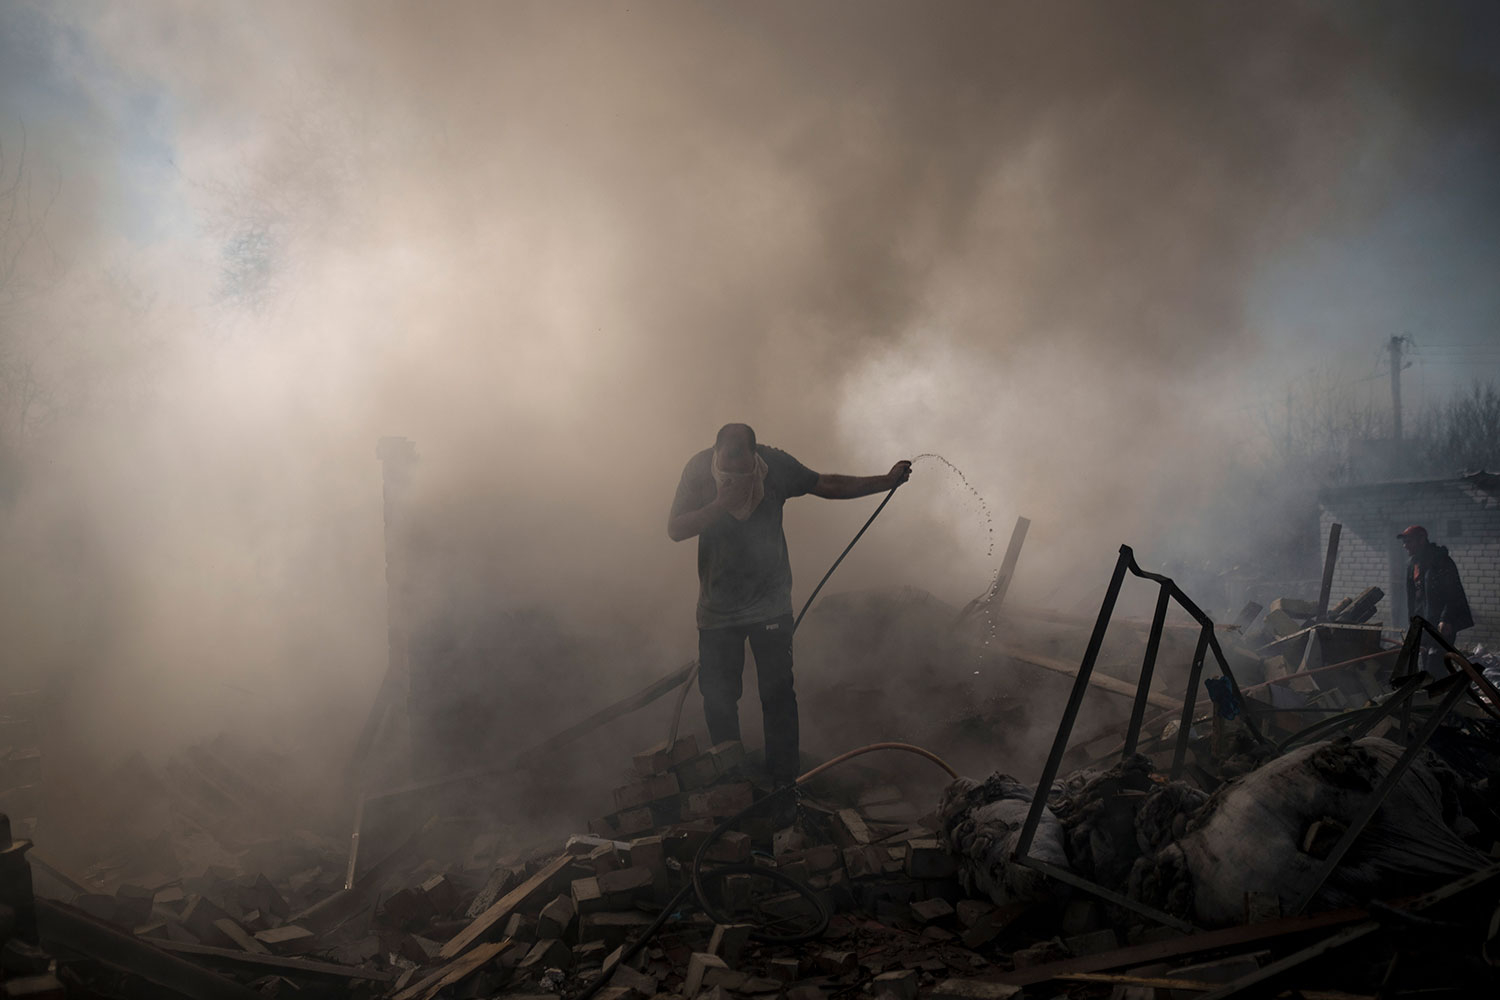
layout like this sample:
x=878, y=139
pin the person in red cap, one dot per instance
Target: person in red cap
x=1434, y=591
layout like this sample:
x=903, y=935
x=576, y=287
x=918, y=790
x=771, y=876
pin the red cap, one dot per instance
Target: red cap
x=1415, y=529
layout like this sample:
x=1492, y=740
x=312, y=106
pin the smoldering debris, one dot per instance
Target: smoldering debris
x=1199, y=857
x=1174, y=848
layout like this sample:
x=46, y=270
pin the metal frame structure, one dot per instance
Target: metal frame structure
x=1452, y=688
x=1486, y=696
x=1408, y=677
x=1207, y=642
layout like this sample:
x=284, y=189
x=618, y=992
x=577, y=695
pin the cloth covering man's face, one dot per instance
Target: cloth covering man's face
x=735, y=454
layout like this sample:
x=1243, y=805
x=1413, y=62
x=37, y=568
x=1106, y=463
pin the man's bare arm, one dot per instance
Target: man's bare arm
x=690, y=524
x=833, y=487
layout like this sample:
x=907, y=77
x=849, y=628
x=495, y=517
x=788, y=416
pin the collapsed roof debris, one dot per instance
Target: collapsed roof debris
x=1269, y=831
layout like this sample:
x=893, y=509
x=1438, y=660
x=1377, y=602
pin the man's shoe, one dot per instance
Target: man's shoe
x=783, y=812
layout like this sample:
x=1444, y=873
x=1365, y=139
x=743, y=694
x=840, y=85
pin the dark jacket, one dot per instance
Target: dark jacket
x=1434, y=591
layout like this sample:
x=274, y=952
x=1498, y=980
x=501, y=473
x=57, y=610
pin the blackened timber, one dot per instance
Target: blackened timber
x=65, y=929
x=995, y=595
x=1325, y=590
x=1181, y=947
x=72, y=882
x=1008, y=565
x=302, y=966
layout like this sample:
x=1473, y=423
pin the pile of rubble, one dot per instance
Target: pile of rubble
x=1172, y=864
x=901, y=905
x=879, y=885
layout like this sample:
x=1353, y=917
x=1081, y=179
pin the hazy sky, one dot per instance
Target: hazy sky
x=1078, y=249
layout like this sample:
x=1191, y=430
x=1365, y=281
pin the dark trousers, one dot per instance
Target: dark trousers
x=721, y=667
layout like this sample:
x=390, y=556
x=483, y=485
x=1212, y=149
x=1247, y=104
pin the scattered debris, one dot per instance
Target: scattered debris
x=1250, y=827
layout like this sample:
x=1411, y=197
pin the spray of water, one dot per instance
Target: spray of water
x=986, y=602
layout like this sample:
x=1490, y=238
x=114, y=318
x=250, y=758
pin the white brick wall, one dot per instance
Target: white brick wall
x=1371, y=555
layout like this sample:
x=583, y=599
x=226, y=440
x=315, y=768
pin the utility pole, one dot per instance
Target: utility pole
x=1288, y=445
x=1395, y=349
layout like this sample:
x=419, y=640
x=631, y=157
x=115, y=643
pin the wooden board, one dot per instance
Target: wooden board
x=502, y=908
x=63, y=928
x=1190, y=944
x=276, y=963
x=453, y=972
x=1096, y=679
x=1165, y=983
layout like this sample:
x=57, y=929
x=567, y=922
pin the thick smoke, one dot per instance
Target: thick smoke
x=558, y=246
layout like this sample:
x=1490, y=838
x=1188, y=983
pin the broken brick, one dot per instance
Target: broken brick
x=784, y=970
x=732, y=847
x=660, y=757
x=619, y=888
x=927, y=859
x=549, y=953
x=719, y=801
x=649, y=853
x=442, y=895
x=611, y=927
x=555, y=919
x=728, y=942
x=898, y=985
x=929, y=911
x=287, y=940
x=647, y=789
x=643, y=983
x=704, y=970
x=520, y=927
x=198, y=916
x=605, y=858
x=849, y=829
x=836, y=963
x=586, y=895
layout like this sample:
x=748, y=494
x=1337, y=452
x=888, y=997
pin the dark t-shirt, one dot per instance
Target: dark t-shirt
x=744, y=574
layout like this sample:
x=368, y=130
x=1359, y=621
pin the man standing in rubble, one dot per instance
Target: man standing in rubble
x=730, y=497
x=1434, y=592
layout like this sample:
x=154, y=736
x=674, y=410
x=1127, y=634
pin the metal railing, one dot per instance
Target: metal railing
x=1407, y=679
x=1207, y=643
